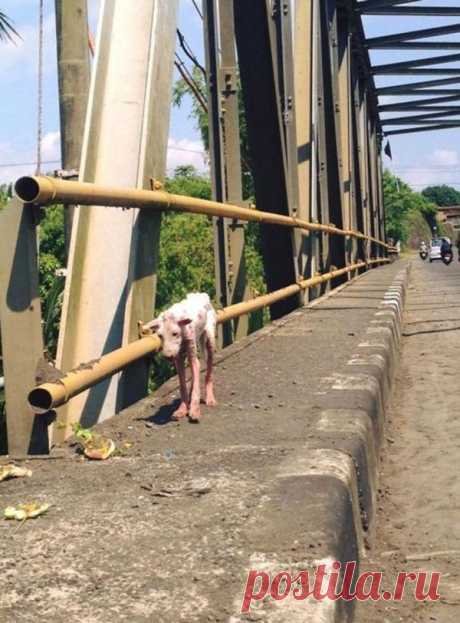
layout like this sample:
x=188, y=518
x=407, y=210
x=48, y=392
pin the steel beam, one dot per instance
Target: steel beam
x=238, y=286
x=433, y=115
x=417, y=45
x=440, y=109
x=413, y=34
x=345, y=95
x=359, y=183
x=419, y=62
x=257, y=41
x=422, y=102
x=413, y=121
x=418, y=71
x=21, y=328
x=418, y=92
x=424, y=129
x=217, y=160
x=304, y=123
x=125, y=143
x=330, y=178
x=434, y=11
x=376, y=4
x=391, y=90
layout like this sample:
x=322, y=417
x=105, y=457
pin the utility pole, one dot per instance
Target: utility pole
x=74, y=79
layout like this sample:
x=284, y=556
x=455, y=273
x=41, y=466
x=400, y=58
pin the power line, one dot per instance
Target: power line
x=27, y=164
x=189, y=52
x=32, y=164
x=197, y=8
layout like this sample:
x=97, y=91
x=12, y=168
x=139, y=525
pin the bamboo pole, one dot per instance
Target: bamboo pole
x=43, y=191
x=52, y=395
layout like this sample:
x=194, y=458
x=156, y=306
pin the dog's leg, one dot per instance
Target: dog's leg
x=209, y=384
x=182, y=411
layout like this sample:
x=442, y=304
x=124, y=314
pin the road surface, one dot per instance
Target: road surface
x=418, y=525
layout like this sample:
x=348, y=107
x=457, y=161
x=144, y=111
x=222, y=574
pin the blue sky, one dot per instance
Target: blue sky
x=421, y=159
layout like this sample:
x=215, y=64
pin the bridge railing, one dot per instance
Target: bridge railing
x=44, y=191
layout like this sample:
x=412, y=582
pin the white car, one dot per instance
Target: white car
x=435, y=250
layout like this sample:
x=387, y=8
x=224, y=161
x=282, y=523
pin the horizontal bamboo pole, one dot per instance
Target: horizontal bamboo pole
x=52, y=395
x=42, y=190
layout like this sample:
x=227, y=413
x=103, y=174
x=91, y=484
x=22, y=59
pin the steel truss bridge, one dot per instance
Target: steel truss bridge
x=315, y=127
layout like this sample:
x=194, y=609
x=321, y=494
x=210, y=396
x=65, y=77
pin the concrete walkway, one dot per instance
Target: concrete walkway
x=167, y=531
x=419, y=509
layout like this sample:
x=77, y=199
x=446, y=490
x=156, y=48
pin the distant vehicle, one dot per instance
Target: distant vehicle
x=423, y=250
x=435, y=249
x=447, y=255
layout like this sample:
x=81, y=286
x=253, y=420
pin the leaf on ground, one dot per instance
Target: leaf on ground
x=13, y=471
x=25, y=511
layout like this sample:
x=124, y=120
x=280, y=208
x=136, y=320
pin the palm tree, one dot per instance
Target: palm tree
x=7, y=30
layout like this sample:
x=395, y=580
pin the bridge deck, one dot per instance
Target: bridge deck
x=168, y=529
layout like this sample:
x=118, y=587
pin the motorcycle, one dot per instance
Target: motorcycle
x=447, y=257
x=423, y=254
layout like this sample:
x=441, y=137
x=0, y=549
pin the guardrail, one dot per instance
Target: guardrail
x=44, y=191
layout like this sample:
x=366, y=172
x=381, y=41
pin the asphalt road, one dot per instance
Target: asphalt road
x=418, y=524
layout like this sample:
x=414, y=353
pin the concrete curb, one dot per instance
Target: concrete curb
x=336, y=473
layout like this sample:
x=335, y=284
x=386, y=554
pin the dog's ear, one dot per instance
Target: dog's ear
x=183, y=322
x=154, y=325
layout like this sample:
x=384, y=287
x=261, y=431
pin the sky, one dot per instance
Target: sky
x=420, y=159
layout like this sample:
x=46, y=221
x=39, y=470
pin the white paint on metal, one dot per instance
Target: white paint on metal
x=130, y=49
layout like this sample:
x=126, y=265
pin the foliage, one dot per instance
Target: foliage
x=51, y=262
x=7, y=30
x=401, y=202
x=200, y=116
x=187, y=246
x=442, y=195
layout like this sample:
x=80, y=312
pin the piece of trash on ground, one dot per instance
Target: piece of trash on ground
x=25, y=511
x=13, y=471
x=195, y=488
x=94, y=446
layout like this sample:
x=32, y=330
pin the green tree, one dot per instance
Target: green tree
x=199, y=114
x=442, y=195
x=401, y=205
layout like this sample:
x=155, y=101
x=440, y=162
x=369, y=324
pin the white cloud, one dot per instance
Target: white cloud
x=445, y=158
x=51, y=151
x=51, y=146
x=184, y=151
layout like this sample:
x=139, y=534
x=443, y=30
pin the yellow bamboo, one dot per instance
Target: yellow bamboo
x=52, y=395
x=42, y=190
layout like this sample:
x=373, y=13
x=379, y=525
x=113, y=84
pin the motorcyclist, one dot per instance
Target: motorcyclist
x=423, y=250
x=446, y=247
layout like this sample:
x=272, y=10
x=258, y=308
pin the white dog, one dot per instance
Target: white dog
x=180, y=328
